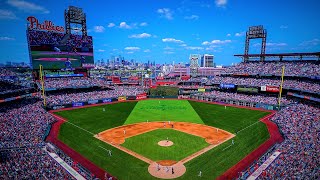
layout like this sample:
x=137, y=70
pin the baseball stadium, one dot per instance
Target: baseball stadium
x=66, y=116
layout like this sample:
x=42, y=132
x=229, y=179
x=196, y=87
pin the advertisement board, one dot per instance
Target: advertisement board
x=106, y=100
x=141, y=96
x=122, y=98
x=77, y=104
x=53, y=49
x=274, y=89
x=131, y=97
x=201, y=90
x=227, y=86
x=252, y=90
x=93, y=102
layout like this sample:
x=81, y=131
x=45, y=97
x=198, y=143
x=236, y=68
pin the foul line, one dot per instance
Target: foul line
x=248, y=126
x=74, y=125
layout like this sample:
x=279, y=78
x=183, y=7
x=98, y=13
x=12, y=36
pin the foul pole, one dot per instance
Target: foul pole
x=281, y=84
x=42, y=84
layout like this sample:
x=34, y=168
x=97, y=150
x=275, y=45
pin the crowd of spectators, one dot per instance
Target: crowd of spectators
x=248, y=98
x=288, y=84
x=64, y=98
x=6, y=87
x=22, y=126
x=299, y=158
x=275, y=68
x=61, y=83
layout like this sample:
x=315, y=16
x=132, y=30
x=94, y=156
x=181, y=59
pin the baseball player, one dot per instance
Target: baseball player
x=200, y=173
x=124, y=131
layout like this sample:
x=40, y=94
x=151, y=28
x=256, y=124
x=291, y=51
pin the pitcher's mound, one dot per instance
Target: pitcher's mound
x=165, y=172
x=165, y=143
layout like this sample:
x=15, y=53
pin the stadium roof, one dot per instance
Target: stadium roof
x=314, y=54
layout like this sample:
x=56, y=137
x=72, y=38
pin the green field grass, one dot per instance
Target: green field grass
x=212, y=163
x=147, y=144
x=159, y=110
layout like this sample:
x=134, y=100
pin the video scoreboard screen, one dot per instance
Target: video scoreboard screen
x=55, y=50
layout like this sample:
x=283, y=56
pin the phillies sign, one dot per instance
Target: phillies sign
x=45, y=26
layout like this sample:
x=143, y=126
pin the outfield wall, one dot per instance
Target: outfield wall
x=232, y=173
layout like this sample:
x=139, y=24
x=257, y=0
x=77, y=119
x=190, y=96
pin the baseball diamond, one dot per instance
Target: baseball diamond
x=132, y=130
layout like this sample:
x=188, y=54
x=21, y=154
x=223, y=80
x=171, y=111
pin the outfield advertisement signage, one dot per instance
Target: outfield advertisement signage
x=122, y=98
x=58, y=107
x=63, y=75
x=274, y=89
x=227, y=86
x=93, y=102
x=77, y=104
x=106, y=100
x=141, y=96
x=201, y=90
x=131, y=97
x=252, y=90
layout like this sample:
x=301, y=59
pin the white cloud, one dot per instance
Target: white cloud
x=312, y=42
x=192, y=17
x=110, y=25
x=132, y=48
x=166, y=13
x=124, y=25
x=28, y=6
x=221, y=3
x=239, y=34
x=216, y=42
x=139, y=36
x=168, y=52
x=143, y=24
x=270, y=44
x=183, y=45
x=101, y=50
x=130, y=52
x=276, y=44
x=283, y=27
x=228, y=35
x=5, y=14
x=147, y=50
x=172, y=40
x=168, y=48
x=194, y=48
x=4, y=38
x=98, y=29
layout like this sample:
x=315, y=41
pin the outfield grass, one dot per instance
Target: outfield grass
x=159, y=110
x=212, y=163
x=147, y=144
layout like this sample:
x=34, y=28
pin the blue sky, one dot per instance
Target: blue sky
x=170, y=30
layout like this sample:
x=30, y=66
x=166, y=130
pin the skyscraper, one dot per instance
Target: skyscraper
x=207, y=60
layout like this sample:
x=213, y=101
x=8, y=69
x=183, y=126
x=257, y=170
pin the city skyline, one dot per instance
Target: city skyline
x=166, y=31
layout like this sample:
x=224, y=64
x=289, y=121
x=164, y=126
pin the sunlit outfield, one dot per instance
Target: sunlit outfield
x=212, y=163
x=163, y=110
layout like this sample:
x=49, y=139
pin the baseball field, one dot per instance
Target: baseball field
x=201, y=136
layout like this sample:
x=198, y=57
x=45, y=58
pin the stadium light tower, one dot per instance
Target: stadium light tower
x=256, y=32
x=75, y=17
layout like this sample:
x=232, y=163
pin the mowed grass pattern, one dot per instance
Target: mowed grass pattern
x=147, y=144
x=163, y=110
